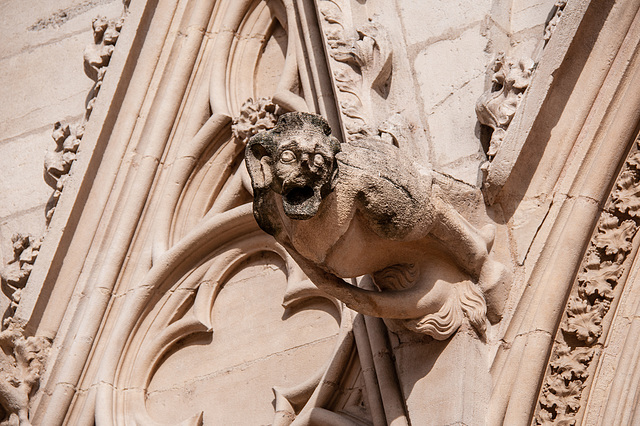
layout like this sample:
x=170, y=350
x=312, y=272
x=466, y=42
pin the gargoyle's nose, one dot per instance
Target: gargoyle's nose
x=304, y=160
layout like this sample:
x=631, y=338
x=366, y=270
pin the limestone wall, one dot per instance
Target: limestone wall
x=42, y=70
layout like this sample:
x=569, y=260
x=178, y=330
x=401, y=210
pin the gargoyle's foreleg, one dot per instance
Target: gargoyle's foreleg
x=468, y=245
x=409, y=303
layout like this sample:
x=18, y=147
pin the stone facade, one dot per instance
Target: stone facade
x=319, y=212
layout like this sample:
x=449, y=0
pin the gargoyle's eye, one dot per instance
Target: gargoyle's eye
x=287, y=156
x=318, y=160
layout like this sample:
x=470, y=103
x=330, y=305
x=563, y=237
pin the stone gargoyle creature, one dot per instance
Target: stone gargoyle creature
x=346, y=210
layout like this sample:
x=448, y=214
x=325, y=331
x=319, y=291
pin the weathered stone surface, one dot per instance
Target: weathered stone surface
x=23, y=184
x=447, y=66
x=38, y=102
x=367, y=209
x=431, y=20
x=27, y=26
x=529, y=14
x=252, y=349
x=451, y=121
x=164, y=301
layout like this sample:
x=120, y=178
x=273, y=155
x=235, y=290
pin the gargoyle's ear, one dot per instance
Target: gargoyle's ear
x=335, y=144
x=336, y=148
x=259, y=160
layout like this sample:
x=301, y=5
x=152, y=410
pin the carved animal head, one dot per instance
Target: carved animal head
x=295, y=159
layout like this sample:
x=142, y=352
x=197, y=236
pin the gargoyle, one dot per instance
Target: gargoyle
x=346, y=210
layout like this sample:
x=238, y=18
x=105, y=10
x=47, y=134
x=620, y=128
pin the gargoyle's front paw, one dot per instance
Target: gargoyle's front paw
x=495, y=281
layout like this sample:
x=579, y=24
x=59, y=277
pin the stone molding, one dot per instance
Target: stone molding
x=576, y=198
x=598, y=285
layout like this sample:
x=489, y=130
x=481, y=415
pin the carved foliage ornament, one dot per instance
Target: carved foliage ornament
x=97, y=55
x=496, y=107
x=15, y=274
x=58, y=163
x=22, y=363
x=362, y=62
x=581, y=329
x=345, y=210
x=510, y=79
x=22, y=359
x=555, y=18
x=255, y=116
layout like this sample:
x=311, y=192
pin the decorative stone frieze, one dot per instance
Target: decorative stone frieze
x=15, y=274
x=362, y=63
x=97, y=55
x=511, y=76
x=326, y=201
x=22, y=360
x=58, y=163
x=555, y=18
x=579, y=340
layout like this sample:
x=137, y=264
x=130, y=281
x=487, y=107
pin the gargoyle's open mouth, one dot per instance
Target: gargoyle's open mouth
x=301, y=202
x=298, y=195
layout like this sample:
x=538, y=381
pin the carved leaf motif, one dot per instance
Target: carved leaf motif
x=544, y=417
x=584, y=320
x=551, y=25
x=333, y=35
x=561, y=396
x=497, y=106
x=351, y=109
x=346, y=83
x=344, y=51
x=22, y=362
x=627, y=194
x=331, y=12
x=572, y=365
x=565, y=420
x=600, y=279
x=254, y=117
x=634, y=161
x=612, y=238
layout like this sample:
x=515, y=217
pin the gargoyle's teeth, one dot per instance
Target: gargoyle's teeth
x=299, y=195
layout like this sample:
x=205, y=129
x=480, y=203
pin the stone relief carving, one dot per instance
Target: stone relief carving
x=23, y=358
x=58, y=163
x=556, y=14
x=97, y=55
x=497, y=106
x=510, y=79
x=579, y=338
x=363, y=62
x=15, y=274
x=21, y=366
x=255, y=116
x=345, y=210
